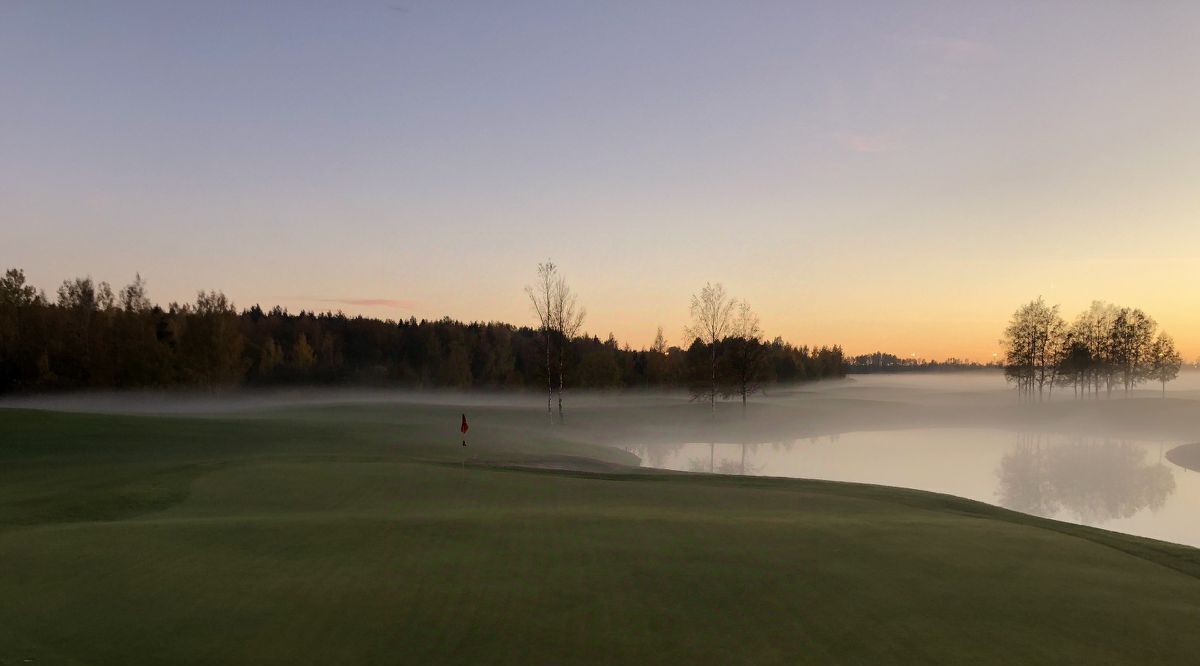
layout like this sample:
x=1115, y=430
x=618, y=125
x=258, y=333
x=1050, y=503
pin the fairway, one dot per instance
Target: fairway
x=356, y=534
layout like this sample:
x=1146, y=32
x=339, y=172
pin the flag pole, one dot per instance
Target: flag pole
x=463, y=429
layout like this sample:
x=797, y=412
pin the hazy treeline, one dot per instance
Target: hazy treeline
x=92, y=336
x=884, y=362
x=728, y=356
x=1104, y=348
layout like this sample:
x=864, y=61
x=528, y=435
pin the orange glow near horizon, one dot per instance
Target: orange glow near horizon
x=900, y=184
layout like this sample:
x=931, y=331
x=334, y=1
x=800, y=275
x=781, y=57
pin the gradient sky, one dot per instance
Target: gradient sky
x=895, y=176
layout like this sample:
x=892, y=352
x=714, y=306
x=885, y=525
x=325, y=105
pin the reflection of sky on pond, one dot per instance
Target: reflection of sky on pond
x=1121, y=485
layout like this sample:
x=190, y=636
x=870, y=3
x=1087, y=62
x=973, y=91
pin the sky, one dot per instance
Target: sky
x=894, y=176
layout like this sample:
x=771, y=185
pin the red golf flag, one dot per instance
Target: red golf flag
x=463, y=427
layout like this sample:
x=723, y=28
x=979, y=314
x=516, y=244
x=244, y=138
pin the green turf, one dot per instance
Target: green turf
x=354, y=534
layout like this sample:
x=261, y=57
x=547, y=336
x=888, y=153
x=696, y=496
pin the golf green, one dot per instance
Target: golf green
x=367, y=534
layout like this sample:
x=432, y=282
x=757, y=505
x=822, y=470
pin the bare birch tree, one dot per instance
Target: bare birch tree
x=712, y=321
x=566, y=319
x=541, y=295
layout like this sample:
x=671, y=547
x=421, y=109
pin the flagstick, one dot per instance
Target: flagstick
x=463, y=430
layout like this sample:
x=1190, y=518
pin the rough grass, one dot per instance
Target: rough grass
x=357, y=535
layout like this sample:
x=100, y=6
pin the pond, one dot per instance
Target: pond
x=1117, y=484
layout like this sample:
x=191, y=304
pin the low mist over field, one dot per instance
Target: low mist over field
x=964, y=433
x=857, y=402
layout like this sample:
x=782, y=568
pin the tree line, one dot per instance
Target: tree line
x=877, y=362
x=92, y=336
x=727, y=357
x=1105, y=348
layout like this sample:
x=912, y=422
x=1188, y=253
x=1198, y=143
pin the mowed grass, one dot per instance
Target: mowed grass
x=354, y=534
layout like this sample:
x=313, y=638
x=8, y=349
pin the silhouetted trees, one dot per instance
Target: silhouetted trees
x=1130, y=339
x=744, y=352
x=560, y=318
x=1033, y=341
x=728, y=356
x=876, y=362
x=93, y=336
x=1165, y=361
x=656, y=361
x=1105, y=347
x=712, y=320
x=20, y=307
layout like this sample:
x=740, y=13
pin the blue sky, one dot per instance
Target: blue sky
x=884, y=175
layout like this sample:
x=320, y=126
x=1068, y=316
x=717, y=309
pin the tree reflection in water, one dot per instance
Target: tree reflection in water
x=657, y=455
x=653, y=455
x=1095, y=481
x=735, y=466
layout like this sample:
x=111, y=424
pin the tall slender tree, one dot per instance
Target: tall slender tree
x=566, y=317
x=541, y=296
x=133, y=296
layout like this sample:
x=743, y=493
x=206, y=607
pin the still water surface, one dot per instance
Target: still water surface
x=1121, y=485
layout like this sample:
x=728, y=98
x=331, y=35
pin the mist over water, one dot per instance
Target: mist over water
x=1095, y=462
x=1122, y=485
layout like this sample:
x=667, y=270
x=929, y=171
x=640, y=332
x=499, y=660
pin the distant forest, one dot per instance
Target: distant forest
x=92, y=337
x=884, y=362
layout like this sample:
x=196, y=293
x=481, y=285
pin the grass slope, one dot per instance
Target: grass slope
x=355, y=535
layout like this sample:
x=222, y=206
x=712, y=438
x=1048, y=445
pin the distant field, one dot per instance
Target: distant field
x=355, y=534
